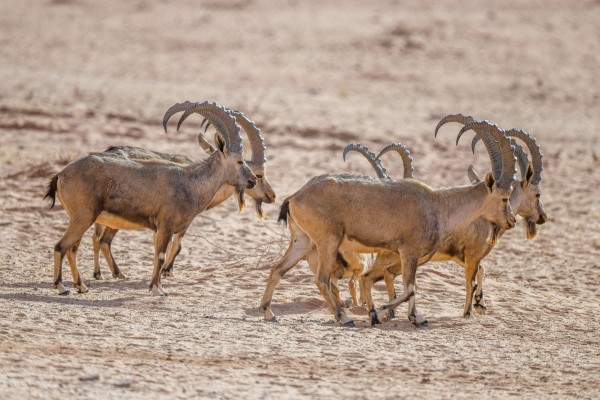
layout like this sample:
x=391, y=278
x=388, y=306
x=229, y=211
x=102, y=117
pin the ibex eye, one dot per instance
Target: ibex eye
x=240, y=162
x=259, y=176
x=537, y=196
x=505, y=200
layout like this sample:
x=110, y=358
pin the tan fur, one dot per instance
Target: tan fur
x=160, y=196
x=467, y=246
x=411, y=219
x=262, y=192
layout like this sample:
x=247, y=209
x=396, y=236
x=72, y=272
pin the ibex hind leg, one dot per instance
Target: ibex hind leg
x=298, y=250
x=72, y=258
x=96, y=237
x=71, y=237
x=106, y=247
x=172, y=252
x=161, y=242
x=367, y=280
x=388, y=278
x=327, y=251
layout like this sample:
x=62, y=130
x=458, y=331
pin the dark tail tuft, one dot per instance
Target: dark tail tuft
x=342, y=261
x=284, y=211
x=51, y=194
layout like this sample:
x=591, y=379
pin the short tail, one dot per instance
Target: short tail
x=52, y=186
x=284, y=211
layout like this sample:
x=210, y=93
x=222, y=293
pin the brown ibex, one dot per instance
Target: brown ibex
x=262, y=192
x=470, y=245
x=137, y=194
x=354, y=213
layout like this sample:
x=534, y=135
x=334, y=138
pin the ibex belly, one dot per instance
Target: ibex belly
x=115, y=222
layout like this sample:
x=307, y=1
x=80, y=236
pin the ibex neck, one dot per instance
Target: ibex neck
x=516, y=196
x=208, y=177
x=225, y=192
x=459, y=206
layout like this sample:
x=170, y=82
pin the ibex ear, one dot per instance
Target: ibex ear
x=490, y=182
x=220, y=142
x=528, y=175
x=207, y=147
x=472, y=174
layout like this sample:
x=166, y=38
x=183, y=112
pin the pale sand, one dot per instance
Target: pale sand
x=78, y=76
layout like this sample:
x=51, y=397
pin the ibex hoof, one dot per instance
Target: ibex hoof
x=350, y=324
x=346, y=320
x=120, y=275
x=374, y=318
x=62, y=291
x=156, y=291
x=419, y=322
x=98, y=276
x=81, y=288
x=480, y=309
x=167, y=274
x=269, y=316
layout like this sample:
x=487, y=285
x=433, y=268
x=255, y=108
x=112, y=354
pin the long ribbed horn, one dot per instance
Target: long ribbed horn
x=500, y=149
x=461, y=119
x=404, y=153
x=257, y=143
x=369, y=155
x=231, y=133
x=206, y=112
x=522, y=159
x=534, y=151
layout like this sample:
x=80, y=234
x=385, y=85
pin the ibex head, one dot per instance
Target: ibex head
x=262, y=192
x=229, y=148
x=499, y=182
x=526, y=197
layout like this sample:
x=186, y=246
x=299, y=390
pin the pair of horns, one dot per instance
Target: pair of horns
x=376, y=162
x=500, y=148
x=224, y=122
x=525, y=137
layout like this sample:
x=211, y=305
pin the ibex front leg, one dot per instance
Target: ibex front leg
x=409, y=270
x=479, y=305
x=173, y=252
x=161, y=242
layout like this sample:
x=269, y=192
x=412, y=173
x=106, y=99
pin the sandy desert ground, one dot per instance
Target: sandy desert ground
x=77, y=76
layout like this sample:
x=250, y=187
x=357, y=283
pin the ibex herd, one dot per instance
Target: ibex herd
x=344, y=225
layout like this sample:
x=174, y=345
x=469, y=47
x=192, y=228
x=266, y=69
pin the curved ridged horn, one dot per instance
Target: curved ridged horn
x=534, y=151
x=462, y=119
x=231, y=124
x=207, y=109
x=231, y=133
x=257, y=143
x=500, y=149
x=522, y=158
x=404, y=153
x=369, y=155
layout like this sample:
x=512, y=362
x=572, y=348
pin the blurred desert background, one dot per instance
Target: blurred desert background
x=78, y=76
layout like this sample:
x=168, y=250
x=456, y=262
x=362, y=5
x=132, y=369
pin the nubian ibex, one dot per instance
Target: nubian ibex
x=262, y=192
x=164, y=197
x=469, y=246
x=354, y=213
